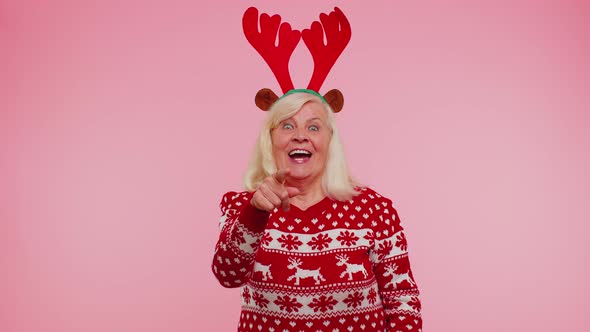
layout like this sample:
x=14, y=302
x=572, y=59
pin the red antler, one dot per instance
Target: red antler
x=277, y=57
x=338, y=34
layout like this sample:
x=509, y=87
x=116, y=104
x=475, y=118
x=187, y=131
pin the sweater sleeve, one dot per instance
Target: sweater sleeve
x=241, y=228
x=391, y=265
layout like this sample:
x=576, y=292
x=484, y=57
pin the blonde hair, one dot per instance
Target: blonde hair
x=336, y=181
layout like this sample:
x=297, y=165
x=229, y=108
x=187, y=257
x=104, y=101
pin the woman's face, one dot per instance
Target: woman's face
x=300, y=143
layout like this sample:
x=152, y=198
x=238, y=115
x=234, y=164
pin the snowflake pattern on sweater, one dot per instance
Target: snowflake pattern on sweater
x=337, y=266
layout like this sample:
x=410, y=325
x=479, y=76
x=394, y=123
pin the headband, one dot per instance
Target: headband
x=337, y=30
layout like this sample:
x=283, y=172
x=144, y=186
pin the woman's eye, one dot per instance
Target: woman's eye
x=287, y=126
x=314, y=128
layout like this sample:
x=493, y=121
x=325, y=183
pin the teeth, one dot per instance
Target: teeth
x=299, y=151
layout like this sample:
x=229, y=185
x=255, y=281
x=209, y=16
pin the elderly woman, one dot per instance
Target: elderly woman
x=310, y=249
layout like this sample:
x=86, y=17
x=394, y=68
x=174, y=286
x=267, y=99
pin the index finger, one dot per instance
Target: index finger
x=281, y=175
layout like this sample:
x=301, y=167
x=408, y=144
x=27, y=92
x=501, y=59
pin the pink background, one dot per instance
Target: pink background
x=123, y=122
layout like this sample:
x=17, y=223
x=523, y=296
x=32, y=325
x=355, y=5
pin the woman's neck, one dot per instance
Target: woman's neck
x=309, y=194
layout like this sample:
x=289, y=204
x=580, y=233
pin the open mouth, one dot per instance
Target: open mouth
x=300, y=155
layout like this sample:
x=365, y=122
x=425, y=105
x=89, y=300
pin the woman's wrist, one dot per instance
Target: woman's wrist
x=254, y=218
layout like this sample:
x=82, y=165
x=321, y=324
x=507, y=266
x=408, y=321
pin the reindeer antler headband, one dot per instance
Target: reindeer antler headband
x=337, y=29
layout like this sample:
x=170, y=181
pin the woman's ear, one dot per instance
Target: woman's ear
x=335, y=99
x=265, y=98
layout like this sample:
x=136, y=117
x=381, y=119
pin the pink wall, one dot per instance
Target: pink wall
x=123, y=122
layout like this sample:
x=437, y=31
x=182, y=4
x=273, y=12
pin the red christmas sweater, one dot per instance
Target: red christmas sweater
x=339, y=266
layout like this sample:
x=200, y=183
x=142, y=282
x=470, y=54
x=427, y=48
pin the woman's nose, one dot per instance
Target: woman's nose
x=300, y=135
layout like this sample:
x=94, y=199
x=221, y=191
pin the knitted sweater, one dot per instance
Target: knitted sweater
x=337, y=266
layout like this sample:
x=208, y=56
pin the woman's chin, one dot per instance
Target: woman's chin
x=302, y=176
x=298, y=175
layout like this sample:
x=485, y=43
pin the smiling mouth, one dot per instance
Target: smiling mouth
x=300, y=155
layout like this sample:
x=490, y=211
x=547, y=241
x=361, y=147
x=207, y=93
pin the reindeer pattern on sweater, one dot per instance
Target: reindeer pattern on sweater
x=337, y=266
